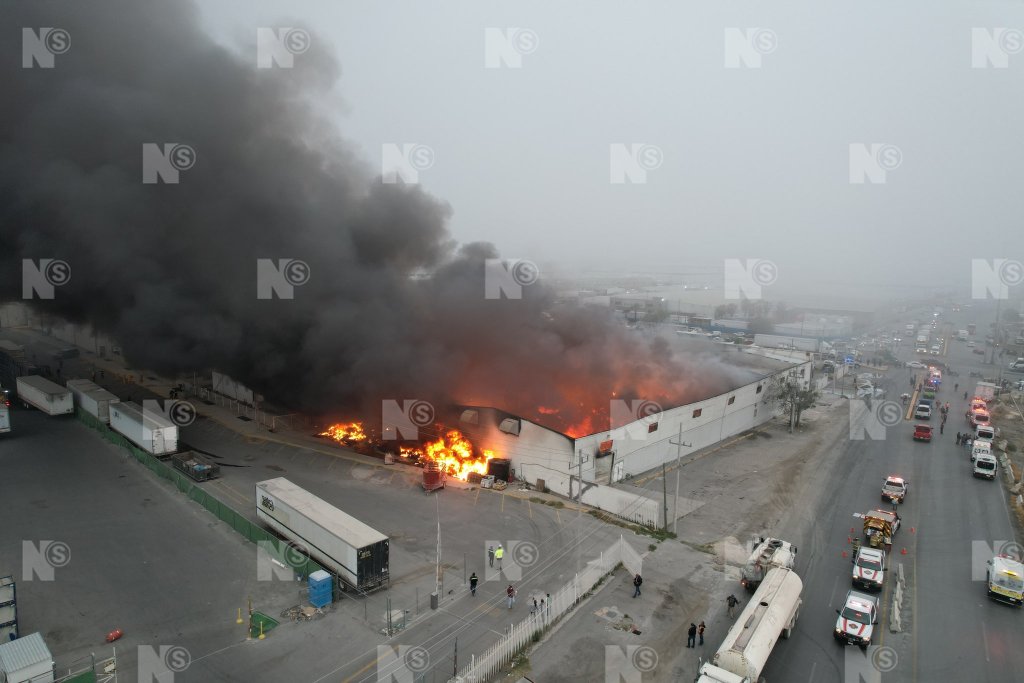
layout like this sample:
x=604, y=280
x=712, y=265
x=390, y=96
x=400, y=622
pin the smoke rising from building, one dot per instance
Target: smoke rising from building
x=170, y=269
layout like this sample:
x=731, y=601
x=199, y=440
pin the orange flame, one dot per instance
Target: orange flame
x=454, y=453
x=346, y=431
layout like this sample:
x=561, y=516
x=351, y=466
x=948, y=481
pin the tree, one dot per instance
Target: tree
x=790, y=398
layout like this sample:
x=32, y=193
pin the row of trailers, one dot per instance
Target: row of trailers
x=150, y=430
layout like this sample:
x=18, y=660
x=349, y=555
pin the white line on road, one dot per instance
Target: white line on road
x=833, y=595
x=984, y=638
x=810, y=678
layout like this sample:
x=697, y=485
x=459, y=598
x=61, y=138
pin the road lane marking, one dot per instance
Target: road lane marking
x=984, y=639
x=810, y=679
x=831, y=598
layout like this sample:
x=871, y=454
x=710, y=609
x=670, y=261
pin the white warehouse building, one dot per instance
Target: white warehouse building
x=539, y=453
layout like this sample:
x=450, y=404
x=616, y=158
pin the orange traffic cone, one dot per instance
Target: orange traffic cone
x=913, y=530
x=903, y=552
x=114, y=635
x=844, y=553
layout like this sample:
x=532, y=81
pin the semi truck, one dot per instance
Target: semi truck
x=356, y=553
x=44, y=395
x=92, y=398
x=148, y=430
x=768, y=553
x=772, y=612
x=986, y=391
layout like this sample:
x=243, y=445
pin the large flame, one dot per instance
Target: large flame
x=454, y=453
x=346, y=432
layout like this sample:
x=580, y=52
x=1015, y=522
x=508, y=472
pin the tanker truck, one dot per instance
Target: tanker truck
x=768, y=553
x=771, y=612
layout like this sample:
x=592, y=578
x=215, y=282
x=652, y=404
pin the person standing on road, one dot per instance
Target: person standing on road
x=965, y=395
x=490, y=556
x=956, y=387
x=731, y=603
x=472, y=583
x=942, y=426
x=700, y=632
x=510, y=593
x=958, y=437
x=637, y=580
x=498, y=554
x=691, y=635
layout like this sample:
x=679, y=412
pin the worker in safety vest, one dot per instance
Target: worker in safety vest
x=498, y=554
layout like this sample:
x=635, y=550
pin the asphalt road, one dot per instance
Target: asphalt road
x=952, y=631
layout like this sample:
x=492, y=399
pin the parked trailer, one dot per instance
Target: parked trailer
x=8, y=609
x=771, y=612
x=47, y=396
x=148, y=430
x=5, y=416
x=356, y=553
x=92, y=398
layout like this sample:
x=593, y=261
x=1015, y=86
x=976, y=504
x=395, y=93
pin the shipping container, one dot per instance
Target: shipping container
x=343, y=545
x=92, y=398
x=47, y=396
x=149, y=430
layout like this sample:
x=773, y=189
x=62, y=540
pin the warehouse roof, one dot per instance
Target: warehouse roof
x=24, y=652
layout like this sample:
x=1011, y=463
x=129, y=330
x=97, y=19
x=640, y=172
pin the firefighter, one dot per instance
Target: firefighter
x=472, y=583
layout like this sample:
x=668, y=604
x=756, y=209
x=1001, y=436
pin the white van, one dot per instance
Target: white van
x=980, y=448
x=985, y=432
x=985, y=466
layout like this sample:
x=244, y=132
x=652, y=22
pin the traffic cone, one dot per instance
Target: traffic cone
x=844, y=553
x=913, y=530
x=903, y=552
x=851, y=529
x=849, y=540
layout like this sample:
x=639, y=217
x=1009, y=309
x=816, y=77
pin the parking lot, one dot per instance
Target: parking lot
x=158, y=566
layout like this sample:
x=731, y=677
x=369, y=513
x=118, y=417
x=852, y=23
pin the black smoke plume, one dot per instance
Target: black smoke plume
x=169, y=270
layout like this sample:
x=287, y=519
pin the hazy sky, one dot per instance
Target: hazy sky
x=755, y=161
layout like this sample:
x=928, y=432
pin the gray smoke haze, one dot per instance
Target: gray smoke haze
x=170, y=270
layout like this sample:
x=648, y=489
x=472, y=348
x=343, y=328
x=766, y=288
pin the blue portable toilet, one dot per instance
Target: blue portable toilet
x=321, y=588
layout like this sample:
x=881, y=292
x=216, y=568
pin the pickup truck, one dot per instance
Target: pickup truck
x=923, y=411
x=922, y=432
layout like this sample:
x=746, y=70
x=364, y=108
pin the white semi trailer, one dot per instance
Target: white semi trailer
x=150, y=430
x=47, y=396
x=345, y=546
x=772, y=612
x=92, y=398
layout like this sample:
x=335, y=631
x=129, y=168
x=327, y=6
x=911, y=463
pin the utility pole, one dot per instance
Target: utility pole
x=664, y=493
x=679, y=469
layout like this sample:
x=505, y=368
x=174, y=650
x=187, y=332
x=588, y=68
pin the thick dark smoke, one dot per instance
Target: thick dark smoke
x=170, y=270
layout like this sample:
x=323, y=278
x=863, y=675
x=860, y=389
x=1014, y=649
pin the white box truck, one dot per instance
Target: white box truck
x=92, y=398
x=44, y=395
x=150, y=431
x=356, y=553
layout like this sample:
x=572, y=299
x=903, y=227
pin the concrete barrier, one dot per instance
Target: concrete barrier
x=896, y=615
